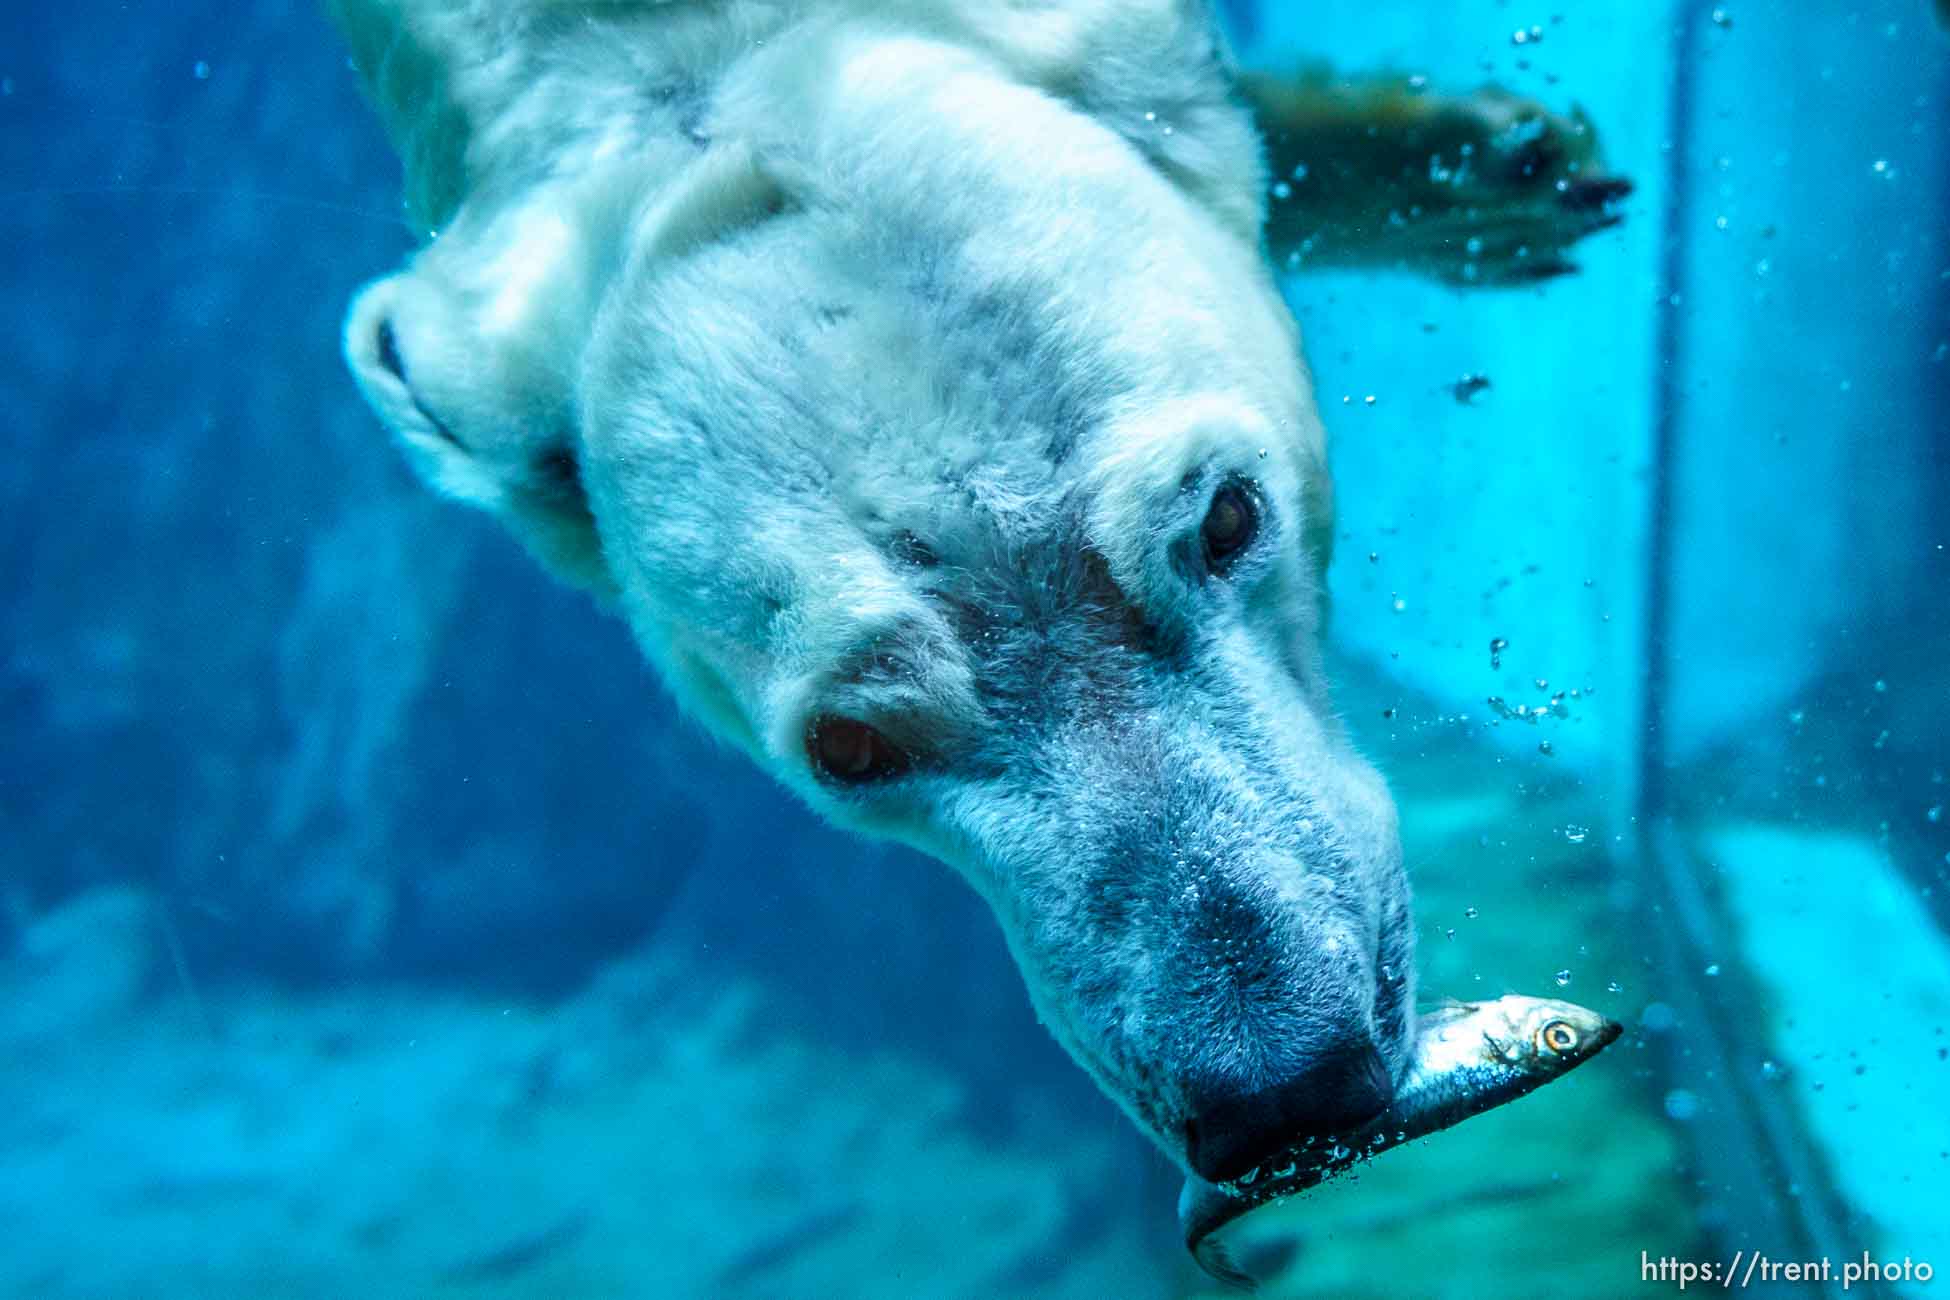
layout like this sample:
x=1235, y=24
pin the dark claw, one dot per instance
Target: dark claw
x=1536, y=270
x=1587, y=196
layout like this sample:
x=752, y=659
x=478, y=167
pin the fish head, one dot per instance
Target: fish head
x=1544, y=1037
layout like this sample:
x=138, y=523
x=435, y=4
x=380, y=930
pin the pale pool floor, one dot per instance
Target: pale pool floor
x=654, y=1137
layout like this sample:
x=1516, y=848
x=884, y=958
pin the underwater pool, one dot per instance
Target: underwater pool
x=375, y=922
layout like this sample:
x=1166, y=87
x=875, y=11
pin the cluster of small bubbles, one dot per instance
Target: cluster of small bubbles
x=1497, y=646
x=1882, y=168
x=1527, y=35
x=1470, y=912
x=1563, y=977
x=1681, y=1104
x=1614, y=987
x=1576, y=834
x=1713, y=969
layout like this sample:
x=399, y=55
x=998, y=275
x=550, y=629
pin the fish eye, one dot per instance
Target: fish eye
x=1558, y=1036
x=850, y=752
x=1231, y=522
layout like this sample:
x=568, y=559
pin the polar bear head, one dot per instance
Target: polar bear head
x=936, y=424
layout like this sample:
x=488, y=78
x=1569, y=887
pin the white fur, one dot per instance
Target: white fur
x=790, y=281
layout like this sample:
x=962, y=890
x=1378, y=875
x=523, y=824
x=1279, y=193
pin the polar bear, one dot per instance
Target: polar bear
x=914, y=380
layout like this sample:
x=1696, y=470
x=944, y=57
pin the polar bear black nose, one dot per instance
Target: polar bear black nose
x=1232, y=1130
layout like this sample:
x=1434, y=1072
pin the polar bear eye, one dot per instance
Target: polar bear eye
x=1230, y=524
x=850, y=751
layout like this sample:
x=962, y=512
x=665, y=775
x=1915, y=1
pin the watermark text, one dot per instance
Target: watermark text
x=1748, y=1267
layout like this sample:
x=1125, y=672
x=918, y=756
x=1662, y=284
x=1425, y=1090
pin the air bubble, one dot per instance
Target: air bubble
x=1713, y=969
x=1563, y=978
x=1470, y=912
x=1576, y=834
x=1614, y=987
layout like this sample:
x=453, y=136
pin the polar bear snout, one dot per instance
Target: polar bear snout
x=1233, y=1128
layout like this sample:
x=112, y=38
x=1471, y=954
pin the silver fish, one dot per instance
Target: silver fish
x=1469, y=1057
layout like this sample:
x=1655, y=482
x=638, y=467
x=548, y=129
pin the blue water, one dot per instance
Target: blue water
x=370, y=923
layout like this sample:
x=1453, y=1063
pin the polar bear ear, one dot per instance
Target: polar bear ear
x=484, y=415
x=472, y=355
